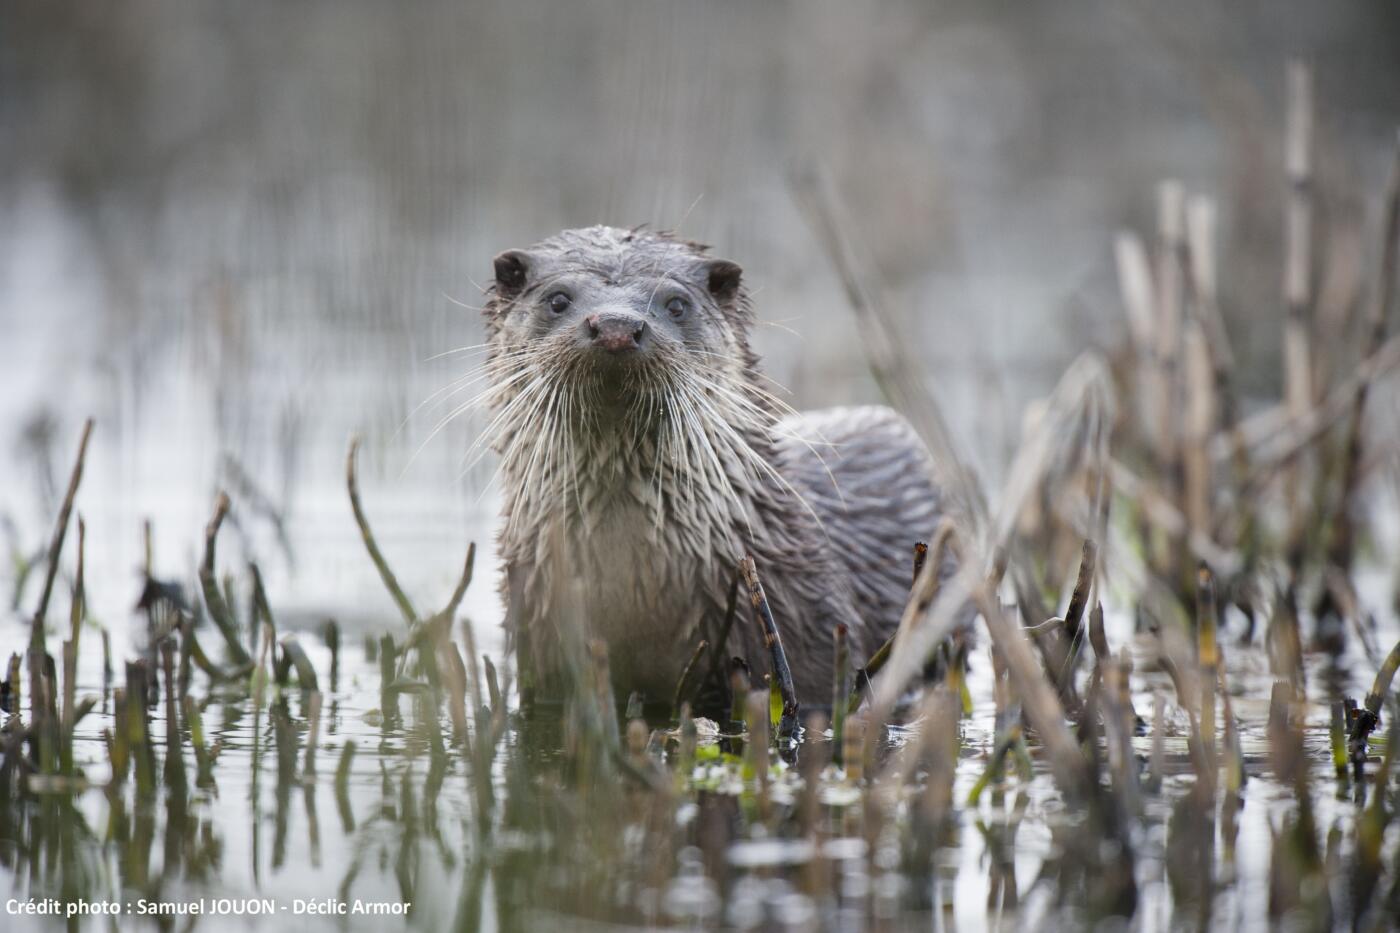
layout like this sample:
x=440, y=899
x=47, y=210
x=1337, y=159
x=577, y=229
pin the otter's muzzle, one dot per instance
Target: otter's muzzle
x=615, y=331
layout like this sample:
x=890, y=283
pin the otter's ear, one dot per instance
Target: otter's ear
x=512, y=266
x=724, y=279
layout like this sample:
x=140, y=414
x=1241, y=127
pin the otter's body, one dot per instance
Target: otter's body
x=642, y=457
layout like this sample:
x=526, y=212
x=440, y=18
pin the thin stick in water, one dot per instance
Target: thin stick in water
x=773, y=641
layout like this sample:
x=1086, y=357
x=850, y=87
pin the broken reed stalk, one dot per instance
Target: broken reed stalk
x=1297, y=268
x=922, y=593
x=1119, y=720
x=1039, y=700
x=1369, y=716
x=1208, y=659
x=332, y=639
x=1342, y=543
x=1199, y=423
x=740, y=683
x=1218, y=408
x=464, y=581
x=14, y=694
x=455, y=674
x=194, y=723
x=995, y=762
x=138, y=726
x=1167, y=300
x=60, y=531
x=313, y=733
x=880, y=333
x=79, y=606
x=718, y=672
x=296, y=655
x=390, y=581
x=174, y=755
x=70, y=653
x=683, y=686
x=1135, y=289
x=493, y=688
x=1297, y=336
x=1337, y=735
x=841, y=689
x=756, y=717
x=218, y=607
x=470, y=665
x=1074, y=615
x=920, y=555
x=773, y=641
x=262, y=607
x=1235, y=774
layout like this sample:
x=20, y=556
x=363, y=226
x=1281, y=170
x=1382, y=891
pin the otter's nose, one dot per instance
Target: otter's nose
x=614, y=331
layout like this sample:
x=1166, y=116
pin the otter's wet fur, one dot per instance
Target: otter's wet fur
x=642, y=456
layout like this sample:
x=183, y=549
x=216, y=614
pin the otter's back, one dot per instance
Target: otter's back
x=871, y=481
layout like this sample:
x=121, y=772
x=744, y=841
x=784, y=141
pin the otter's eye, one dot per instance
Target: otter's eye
x=678, y=307
x=559, y=302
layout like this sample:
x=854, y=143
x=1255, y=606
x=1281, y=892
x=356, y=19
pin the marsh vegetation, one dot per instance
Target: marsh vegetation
x=1175, y=709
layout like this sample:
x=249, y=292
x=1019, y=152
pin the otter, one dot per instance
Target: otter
x=642, y=455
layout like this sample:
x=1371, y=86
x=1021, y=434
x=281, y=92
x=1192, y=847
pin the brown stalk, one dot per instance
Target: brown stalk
x=1039, y=700
x=922, y=594
x=1297, y=328
x=1074, y=614
x=60, y=531
x=219, y=610
x=880, y=332
x=773, y=641
x=1342, y=543
x=683, y=686
x=387, y=575
x=462, y=583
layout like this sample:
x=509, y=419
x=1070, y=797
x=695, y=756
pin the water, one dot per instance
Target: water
x=410, y=826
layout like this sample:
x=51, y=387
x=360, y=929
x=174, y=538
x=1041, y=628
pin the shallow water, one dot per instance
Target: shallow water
x=409, y=827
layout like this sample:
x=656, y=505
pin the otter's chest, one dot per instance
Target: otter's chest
x=640, y=578
x=644, y=588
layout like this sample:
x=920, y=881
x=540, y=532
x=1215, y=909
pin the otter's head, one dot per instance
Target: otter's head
x=617, y=313
x=612, y=350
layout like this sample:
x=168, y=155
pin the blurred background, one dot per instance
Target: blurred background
x=235, y=234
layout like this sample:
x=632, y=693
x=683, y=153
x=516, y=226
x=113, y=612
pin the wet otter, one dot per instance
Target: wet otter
x=642, y=456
